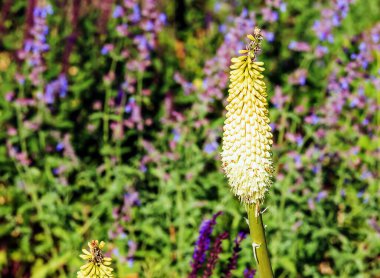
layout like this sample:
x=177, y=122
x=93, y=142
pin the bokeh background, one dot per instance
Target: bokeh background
x=111, y=116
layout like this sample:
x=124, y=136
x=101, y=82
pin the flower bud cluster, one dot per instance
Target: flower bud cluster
x=247, y=137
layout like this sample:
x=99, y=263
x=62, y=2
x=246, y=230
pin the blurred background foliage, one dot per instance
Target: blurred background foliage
x=111, y=117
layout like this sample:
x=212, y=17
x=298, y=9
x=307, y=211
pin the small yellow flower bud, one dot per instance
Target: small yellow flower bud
x=97, y=266
x=246, y=153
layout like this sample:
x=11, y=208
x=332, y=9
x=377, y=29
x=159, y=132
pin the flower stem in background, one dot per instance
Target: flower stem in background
x=259, y=243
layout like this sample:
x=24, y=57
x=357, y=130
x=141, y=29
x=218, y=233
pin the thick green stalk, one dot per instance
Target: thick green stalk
x=259, y=243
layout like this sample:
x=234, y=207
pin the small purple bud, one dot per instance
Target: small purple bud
x=118, y=12
x=60, y=146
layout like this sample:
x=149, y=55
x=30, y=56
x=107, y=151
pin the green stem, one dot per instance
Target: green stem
x=121, y=118
x=106, y=117
x=139, y=100
x=259, y=243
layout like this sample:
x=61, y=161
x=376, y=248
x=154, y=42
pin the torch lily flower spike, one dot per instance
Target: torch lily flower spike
x=97, y=265
x=247, y=142
x=247, y=137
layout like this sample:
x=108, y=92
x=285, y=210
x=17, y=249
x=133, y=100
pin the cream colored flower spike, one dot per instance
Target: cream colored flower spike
x=247, y=137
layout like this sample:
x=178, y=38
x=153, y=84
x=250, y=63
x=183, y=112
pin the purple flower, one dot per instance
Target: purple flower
x=299, y=46
x=331, y=17
x=211, y=147
x=365, y=122
x=122, y=29
x=202, y=244
x=132, y=248
x=366, y=175
x=177, y=135
x=321, y=195
x=217, y=7
x=130, y=262
x=118, y=12
x=273, y=126
x=162, y=18
x=279, y=99
x=244, y=12
x=55, y=171
x=136, y=14
x=143, y=168
x=214, y=254
x=312, y=119
x=323, y=30
x=269, y=15
x=316, y=169
x=222, y=28
x=131, y=104
x=107, y=48
x=249, y=273
x=36, y=46
x=269, y=36
x=149, y=26
x=360, y=194
x=42, y=11
x=320, y=51
x=376, y=38
x=60, y=146
x=298, y=77
x=232, y=263
x=343, y=193
x=57, y=87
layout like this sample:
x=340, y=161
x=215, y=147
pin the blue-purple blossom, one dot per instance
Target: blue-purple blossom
x=343, y=193
x=312, y=119
x=60, y=146
x=211, y=147
x=249, y=273
x=202, y=244
x=57, y=87
x=330, y=18
x=321, y=195
x=176, y=135
x=222, y=28
x=232, y=262
x=279, y=99
x=316, y=168
x=320, y=51
x=107, y=48
x=214, y=254
x=130, y=105
x=136, y=14
x=298, y=77
x=162, y=18
x=269, y=15
x=269, y=36
x=323, y=30
x=299, y=46
x=118, y=12
x=37, y=45
x=132, y=248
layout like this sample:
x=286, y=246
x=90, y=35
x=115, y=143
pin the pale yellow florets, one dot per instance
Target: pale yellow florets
x=247, y=137
x=97, y=266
